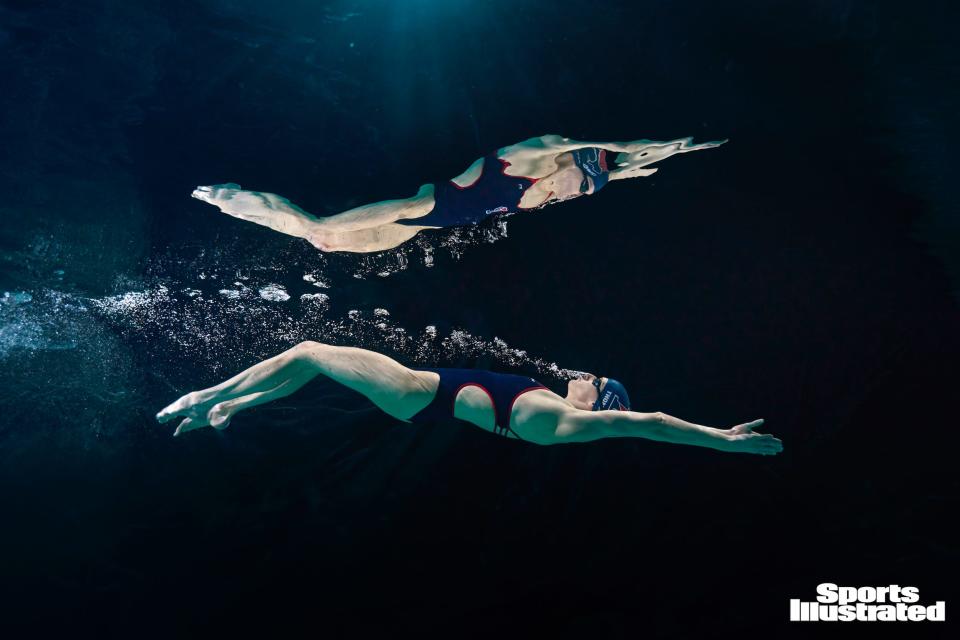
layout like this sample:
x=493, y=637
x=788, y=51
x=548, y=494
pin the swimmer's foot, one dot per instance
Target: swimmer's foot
x=198, y=409
x=266, y=209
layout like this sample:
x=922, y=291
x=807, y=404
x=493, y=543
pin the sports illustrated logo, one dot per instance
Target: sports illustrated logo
x=866, y=604
x=497, y=210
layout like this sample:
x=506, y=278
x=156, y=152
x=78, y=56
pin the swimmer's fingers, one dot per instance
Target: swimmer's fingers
x=769, y=445
x=689, y=145
x=747, y=427
x=764, y=444
x=746, y=440
x=628, y=171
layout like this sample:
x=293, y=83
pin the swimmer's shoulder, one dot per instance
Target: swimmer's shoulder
x=536, y=415
x=534, y=157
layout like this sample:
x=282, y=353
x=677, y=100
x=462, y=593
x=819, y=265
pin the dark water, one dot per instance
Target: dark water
x=806, y=272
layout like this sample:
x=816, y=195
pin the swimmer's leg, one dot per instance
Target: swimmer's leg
x=380, y=238
x=397, y=390
x=279, y=214
x=282, y=374
x=267, y=209
x=380, y=213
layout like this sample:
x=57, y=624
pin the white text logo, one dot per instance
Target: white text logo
x=866, y=604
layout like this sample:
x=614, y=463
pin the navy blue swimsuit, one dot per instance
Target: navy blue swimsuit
x=503, y=389
x=492, y=193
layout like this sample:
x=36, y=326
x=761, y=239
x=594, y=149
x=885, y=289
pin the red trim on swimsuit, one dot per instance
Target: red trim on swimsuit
x=510, y=406
x=493, y=403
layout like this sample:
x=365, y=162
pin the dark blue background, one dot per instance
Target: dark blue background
x=800, y=273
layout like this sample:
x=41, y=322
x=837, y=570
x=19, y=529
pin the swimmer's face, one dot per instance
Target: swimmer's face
x=583, y=391
x=568, y=182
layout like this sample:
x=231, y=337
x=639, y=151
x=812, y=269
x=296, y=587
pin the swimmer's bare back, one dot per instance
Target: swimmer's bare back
x=377, y=227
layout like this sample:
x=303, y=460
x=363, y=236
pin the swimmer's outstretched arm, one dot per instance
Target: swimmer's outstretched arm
x=556, y=143
x=631, y=159
x=582, y=426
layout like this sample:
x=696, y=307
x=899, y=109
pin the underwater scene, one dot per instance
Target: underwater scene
x=702, y=214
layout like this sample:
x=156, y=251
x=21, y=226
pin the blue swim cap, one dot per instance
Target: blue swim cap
x=593, y=162
x=613, y=396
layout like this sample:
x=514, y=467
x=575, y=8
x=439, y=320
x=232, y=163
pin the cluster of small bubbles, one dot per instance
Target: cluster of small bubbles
x=453, y=240
x=274, y=293
x=316, y=280
x=44, y=320
x=15, y=297
x=315, y=299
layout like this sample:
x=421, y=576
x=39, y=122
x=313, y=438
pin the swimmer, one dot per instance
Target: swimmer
x=520, y=177
x=514, y=406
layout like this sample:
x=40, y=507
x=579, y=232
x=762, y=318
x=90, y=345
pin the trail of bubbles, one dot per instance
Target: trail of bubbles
x=236, y=259
x=225, y=332
x=423, y=249
x=42, y=321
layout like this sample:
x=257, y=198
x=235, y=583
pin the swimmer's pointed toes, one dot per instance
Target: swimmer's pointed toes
x=202, y=193
x=172, y=410
x=185, y=425
x=215, y=192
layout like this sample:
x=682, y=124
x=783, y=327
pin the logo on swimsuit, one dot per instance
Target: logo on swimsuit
x=606, y=399
x=497, y=210
x=849, y=604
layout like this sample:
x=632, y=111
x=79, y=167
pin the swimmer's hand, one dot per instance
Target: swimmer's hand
x=657, y=149
x=197, y=411
x=743, y=439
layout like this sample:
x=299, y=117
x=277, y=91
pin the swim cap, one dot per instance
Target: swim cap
x=613, y=396
x=593, y=163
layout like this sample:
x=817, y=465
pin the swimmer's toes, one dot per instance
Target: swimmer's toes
x=170, y=412
x=216, y=193
x=202, y=193
x=187, y=424
x=185, y=406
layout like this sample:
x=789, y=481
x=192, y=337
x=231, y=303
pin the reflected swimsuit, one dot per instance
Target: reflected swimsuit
x=494, y=192
x=503, y=389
